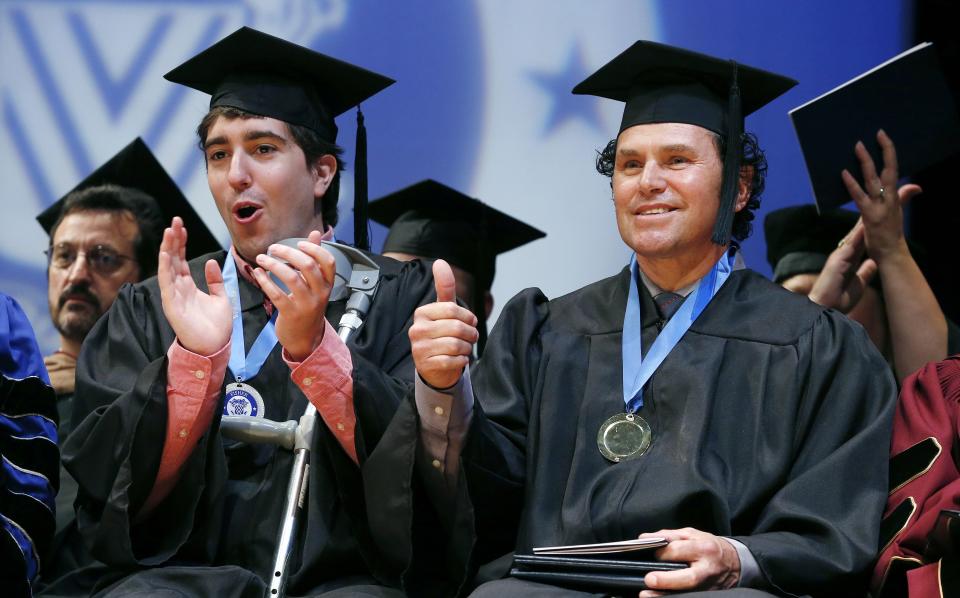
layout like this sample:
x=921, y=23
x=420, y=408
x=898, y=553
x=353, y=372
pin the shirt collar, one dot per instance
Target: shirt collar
x=654, y=290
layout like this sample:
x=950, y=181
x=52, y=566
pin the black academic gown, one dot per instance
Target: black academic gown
x=771, y=420
x=216, y=532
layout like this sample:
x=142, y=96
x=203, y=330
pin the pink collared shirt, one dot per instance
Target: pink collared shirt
x=193, y=394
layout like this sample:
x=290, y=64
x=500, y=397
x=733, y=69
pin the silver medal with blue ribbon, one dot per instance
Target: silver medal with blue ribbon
x=241, y=398
x=627, y=435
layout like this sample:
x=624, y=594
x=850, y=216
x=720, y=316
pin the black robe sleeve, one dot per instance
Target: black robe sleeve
x=402, y=518
x=771, y=429
x=494, y=460
x=382, y=363
x=120, y=413
x=818, y=533
x=382, y=376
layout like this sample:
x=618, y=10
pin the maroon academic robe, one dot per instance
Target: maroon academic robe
x=924, y=479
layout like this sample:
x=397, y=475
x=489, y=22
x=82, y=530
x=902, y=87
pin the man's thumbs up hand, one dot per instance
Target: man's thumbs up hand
x=444, y=282
x=443, y=333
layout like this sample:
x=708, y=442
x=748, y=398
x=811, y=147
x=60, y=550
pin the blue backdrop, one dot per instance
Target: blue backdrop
x=482, y=103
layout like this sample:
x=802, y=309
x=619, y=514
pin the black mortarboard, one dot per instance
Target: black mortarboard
x=271, y=77
x=432, y=220
x=661, y=83
x=799, y=240
x=136, y=167
x=906, y=96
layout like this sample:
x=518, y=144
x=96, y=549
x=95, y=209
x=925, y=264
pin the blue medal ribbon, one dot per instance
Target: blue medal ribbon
x=245, y=366
x=637, y=370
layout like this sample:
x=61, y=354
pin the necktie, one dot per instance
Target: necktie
x=667, y=304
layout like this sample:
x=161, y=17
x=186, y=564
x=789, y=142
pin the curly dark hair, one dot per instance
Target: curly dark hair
x=751, y=154
x=310, y=142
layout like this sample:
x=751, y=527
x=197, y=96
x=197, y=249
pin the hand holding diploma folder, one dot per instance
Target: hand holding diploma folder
x=906, y=96
x=593, y=566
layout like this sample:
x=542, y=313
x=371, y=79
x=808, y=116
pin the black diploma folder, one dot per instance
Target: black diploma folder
x=585, y=573
x=907, y=96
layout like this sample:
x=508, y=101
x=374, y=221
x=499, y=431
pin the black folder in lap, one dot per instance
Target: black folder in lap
x=907, y=97
x=584, y=573
x=595, y=582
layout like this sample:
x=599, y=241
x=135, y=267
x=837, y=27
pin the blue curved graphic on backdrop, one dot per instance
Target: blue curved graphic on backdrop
x=430, y=123
x=408, y=42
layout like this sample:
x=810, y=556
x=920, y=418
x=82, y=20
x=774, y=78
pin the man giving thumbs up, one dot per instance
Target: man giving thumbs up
x=443, y=333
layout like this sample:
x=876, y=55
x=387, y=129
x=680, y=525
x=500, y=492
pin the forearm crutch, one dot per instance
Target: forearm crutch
x=357, y=276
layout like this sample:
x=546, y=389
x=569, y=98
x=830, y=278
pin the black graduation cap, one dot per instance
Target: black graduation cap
x=136, y=167
x=432, y=220
x=661, y=83
x=271, y=77
x=799, y=239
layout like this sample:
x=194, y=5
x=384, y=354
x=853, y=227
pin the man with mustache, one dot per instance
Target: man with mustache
x=89, y=258
x=105, y=232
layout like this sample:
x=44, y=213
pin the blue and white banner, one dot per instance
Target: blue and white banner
x=481, y=103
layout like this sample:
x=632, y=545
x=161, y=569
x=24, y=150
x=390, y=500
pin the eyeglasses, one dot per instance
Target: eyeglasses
x=100, y=258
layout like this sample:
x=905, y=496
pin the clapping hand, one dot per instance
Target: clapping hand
x=201, y=321
x=308, y=272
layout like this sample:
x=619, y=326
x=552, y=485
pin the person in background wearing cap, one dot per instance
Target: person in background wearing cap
x=104, y=233
x=864, y=267
x=749, y=428
x=872, y=276
x=94, y=248
x=165, y=500
x=433, y=221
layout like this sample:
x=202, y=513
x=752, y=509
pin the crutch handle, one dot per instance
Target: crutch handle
x=259, y=431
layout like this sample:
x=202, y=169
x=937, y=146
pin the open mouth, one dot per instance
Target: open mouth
x=246, y=212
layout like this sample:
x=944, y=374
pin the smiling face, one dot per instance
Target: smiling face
x=666, y=190
x=262, y=185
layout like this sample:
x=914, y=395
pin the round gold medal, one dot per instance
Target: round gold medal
x=623, y=437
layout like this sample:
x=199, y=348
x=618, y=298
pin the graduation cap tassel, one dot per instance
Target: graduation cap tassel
x=731, y=165
x=483, y=283
x=361, y=236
